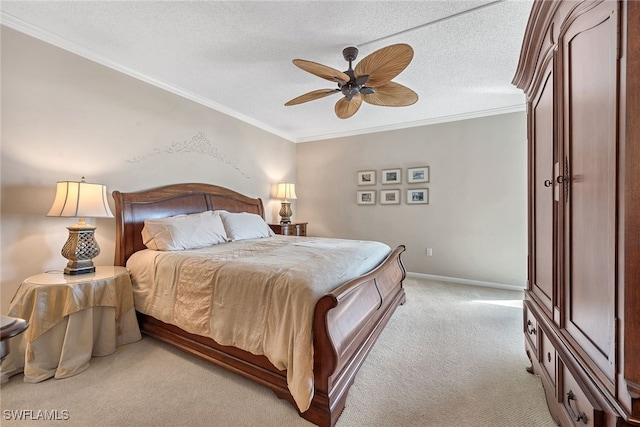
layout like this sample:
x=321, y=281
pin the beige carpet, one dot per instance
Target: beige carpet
x=452, y=356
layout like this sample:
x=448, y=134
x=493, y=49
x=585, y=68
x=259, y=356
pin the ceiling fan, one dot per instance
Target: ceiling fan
x=370, y=81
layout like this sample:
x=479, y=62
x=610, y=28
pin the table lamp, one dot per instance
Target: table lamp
x=80, y=199
x=286, y=192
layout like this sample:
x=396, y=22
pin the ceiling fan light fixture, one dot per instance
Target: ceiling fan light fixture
x=349, y=91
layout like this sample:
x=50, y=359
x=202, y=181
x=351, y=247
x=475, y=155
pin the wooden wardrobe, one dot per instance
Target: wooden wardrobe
x=580, y=70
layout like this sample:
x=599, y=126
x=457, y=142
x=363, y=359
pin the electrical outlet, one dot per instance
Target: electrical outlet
x=429, y=252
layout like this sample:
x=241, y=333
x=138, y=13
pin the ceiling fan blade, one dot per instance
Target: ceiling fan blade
x=320, y=70
x=345, y=109
x=310, y=96
x=391, y=95
x=384, y=64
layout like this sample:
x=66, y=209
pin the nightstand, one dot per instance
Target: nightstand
x=9, y=328
x=71, y=319
x=292, y=229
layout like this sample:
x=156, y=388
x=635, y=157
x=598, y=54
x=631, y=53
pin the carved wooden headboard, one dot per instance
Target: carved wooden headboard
x=133, y=208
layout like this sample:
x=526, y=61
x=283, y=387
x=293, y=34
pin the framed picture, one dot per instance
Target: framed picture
x=392, y=176
x=417, y=196
x=367, y=178
x=389, y=197
x=420, y=174
x=367, y=197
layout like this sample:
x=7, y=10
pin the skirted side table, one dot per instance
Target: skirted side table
x=71, y=319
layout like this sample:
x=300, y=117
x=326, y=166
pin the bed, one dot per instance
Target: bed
x=346, y=320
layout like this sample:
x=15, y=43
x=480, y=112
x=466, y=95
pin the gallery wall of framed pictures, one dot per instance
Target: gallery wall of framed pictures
x=415, y=190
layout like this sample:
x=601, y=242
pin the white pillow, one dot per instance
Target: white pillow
x=181, y=232
x=245, y=225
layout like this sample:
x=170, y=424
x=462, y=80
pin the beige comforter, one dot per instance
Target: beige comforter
x=258, y=295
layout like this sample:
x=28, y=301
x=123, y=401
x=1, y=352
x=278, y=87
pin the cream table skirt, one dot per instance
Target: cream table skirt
x=66, y=349
x=71, y=319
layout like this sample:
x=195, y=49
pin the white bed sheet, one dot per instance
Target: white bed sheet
x=258, y=295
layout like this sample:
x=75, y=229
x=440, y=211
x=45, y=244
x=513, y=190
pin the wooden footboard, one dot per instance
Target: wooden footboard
x=347, y=323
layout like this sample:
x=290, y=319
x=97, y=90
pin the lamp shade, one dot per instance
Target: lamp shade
x=286, y=191
x=80, y=199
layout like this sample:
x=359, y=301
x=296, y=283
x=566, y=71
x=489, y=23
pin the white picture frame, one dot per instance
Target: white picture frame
x=417, y=196
x=391, y=176
x=366, y=197
x=389, y=197
x=419, y=174
x=367, y=177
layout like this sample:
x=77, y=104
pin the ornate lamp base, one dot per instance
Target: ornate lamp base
x=82, y=267
x=80, y=248
x=285, y=213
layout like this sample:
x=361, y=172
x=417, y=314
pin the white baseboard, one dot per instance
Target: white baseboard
x=465, y=281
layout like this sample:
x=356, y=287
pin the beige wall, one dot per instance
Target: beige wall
x=64, y=117
x=476, y=219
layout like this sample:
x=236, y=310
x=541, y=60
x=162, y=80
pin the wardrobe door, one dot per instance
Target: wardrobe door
x=541, y=181
x=588, y=51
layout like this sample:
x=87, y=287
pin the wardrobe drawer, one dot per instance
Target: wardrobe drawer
x=530, y=328
x=548, y=356
x=578, y=408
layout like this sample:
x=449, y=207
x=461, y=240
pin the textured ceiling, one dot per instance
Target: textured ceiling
x=235, y=56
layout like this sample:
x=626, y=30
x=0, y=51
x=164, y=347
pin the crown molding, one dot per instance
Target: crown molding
x=67, y=45
x=428, y=122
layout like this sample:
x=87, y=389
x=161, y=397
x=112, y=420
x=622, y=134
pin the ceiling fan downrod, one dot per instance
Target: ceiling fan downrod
x=354, y=85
